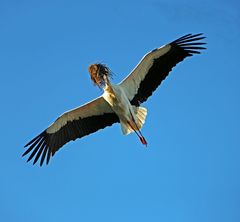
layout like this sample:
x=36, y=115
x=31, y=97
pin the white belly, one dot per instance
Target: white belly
x=119, y=102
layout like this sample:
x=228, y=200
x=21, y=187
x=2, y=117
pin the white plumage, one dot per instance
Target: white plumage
x=119, y=103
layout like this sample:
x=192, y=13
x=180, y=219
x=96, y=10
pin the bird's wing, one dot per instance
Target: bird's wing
x=71, y=125
x=155, y=66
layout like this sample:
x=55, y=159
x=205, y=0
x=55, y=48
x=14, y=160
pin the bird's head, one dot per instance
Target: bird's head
x=99, y=74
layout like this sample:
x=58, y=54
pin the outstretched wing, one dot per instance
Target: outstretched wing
x=73, y=124
x=156, y=65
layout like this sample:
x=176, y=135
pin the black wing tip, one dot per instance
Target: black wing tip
x=38, y=148
x=190, y=43
x=35, y=138
x=190, y=36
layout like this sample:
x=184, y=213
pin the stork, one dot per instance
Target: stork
x=119, y=103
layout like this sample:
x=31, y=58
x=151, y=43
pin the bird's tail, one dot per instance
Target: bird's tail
x=140, y=113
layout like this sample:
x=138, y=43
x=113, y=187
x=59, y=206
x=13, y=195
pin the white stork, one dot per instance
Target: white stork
x=119, y=103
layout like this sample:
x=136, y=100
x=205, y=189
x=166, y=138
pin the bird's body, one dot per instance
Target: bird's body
x=119, y=102
x=117, y=99
x=128, y=114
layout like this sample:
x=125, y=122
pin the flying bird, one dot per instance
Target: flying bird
x=119, y=103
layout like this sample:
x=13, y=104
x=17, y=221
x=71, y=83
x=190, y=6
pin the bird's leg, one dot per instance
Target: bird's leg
x=141, y=137
x=135, y=131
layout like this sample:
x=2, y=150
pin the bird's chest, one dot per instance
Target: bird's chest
x=117, y=100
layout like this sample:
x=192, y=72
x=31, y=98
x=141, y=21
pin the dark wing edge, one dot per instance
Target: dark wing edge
x=181, y=48
x=46, y=144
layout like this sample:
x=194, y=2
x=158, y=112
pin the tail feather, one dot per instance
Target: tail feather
x=126, y=129
x=140, y=113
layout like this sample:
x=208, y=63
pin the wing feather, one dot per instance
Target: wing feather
x=156, y=65
x=73, y=124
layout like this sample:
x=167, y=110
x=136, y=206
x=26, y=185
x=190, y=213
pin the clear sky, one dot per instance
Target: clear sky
x=190, y=171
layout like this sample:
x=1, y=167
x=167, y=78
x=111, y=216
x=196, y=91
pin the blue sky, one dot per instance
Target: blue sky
x=190, y=171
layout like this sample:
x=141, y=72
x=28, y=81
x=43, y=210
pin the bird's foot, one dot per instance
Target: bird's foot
x=143, y=141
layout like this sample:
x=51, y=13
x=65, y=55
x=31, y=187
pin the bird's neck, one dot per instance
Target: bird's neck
x=108, y=86
x=106, y=80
